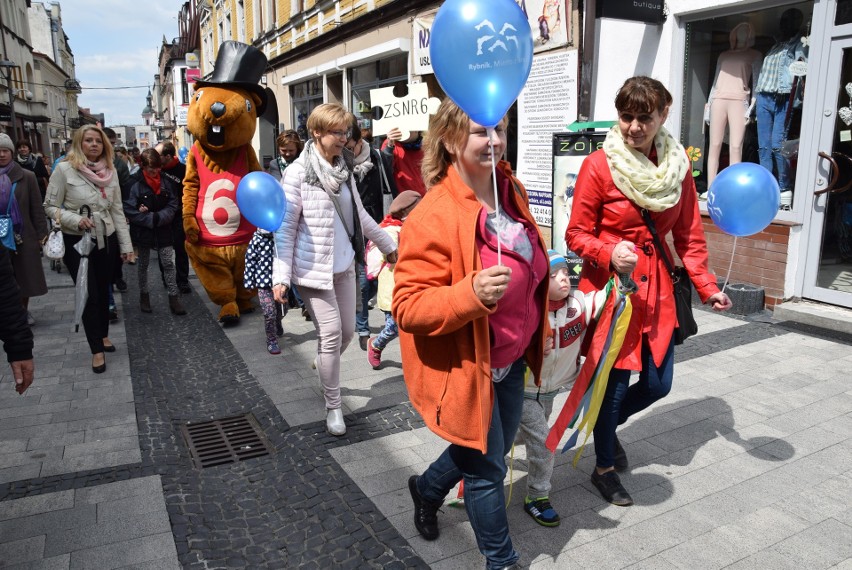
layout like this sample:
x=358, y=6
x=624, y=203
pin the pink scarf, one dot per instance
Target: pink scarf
x=97, y=173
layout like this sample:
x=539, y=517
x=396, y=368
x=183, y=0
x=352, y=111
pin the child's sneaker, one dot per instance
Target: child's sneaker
x=541, y=511
x=374, y=355
x=272, y=347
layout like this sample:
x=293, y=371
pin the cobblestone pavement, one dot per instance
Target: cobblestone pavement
x=748, y=463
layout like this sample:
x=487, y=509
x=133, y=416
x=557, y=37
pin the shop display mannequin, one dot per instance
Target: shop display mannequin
x=729, y=96
x=773, y=89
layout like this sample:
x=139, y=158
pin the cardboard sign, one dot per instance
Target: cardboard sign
x=408, y=113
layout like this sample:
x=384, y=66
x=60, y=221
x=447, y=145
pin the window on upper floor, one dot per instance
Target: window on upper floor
x=241, y=21
x=184, y=87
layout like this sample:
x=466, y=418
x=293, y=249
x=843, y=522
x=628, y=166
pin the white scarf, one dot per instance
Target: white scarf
x=655, y=188
x=363, y=164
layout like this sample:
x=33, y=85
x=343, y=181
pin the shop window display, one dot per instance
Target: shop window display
x=306, y=96
x=745, y=79
x=389, y=72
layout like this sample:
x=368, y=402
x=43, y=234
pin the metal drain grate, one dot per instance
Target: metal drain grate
x=225, y=440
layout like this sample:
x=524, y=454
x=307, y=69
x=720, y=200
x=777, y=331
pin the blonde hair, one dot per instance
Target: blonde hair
x=77, y=158
x=326, y=116
x=448, y=131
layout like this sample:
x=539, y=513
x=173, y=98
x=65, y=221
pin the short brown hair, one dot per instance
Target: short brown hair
x=290, y=136
x=642, y=94
x=168, y=149
x=150, y=158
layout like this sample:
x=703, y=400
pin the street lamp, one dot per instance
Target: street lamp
x=7, y=66
x=63, y=111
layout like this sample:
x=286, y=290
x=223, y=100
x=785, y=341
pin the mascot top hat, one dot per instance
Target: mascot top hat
x=241, y=65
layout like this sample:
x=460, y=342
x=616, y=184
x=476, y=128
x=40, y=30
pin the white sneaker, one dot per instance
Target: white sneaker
x=334, y=422
x=30, y=319
x=786, y=200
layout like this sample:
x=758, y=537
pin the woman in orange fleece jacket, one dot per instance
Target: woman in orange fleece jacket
x=467, y=325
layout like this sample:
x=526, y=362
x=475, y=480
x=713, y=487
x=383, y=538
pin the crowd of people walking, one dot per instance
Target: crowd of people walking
x=490, y=329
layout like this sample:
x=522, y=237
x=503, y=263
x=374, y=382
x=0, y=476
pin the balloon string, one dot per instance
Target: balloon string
x=730, y=265
x=490, y=132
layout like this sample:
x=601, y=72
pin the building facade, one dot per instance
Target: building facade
x=21, y=109
x=55, y=76
x=338, y=51
x=806, y=252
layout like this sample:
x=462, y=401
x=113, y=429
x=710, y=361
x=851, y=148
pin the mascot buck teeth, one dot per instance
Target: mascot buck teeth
x=223, y=117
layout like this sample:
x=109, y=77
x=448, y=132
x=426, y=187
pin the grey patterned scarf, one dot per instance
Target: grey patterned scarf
x=318, y=172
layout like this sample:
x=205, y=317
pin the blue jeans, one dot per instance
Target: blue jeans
x=484, y=473
x=771, y=112
x=295, y=291
x=387, y=334
x=368, y=289
x=622, y=400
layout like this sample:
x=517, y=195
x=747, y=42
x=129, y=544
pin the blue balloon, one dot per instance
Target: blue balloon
x=481, y=52
x=182, y=152
x=743, y=199
x=260, y=199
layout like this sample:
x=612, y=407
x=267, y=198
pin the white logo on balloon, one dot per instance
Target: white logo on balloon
x=497, y=43
x=219, y=203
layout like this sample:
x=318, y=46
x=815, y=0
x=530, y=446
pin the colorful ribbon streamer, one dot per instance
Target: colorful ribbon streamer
x=588, y=391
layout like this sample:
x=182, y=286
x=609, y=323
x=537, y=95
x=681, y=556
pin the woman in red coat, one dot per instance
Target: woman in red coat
x=641, y=167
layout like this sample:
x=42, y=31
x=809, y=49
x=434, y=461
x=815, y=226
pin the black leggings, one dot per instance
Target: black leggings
x=101, y=265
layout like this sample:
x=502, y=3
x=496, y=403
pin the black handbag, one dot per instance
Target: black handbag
x=686, y=325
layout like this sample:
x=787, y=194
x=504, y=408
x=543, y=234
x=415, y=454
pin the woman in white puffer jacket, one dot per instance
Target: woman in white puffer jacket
x=319, y=241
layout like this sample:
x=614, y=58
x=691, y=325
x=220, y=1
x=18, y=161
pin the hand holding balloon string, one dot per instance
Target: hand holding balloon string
x=490, y=284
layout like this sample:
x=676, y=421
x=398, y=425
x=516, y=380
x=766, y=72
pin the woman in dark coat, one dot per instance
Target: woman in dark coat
x=17, y=337
x=372, y=177
x=150, y=208
x=31, y=225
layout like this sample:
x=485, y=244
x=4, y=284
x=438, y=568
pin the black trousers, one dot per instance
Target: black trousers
x=101, y=265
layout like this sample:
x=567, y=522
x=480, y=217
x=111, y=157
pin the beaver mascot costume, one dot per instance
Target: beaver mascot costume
x=222, y=117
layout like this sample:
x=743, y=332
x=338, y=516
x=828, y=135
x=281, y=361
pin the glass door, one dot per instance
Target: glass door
x=828, y=267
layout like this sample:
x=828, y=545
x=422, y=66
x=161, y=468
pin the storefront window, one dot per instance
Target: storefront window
x=844, y=13
x=744, y=78
x=306, y=97
x=389, y=72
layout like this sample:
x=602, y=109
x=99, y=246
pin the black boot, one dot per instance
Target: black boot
x=175, y=305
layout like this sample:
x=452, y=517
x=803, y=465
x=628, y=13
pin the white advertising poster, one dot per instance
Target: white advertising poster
x=182, y=113
x=422, y=30
x=547, y=105
x=550, y=22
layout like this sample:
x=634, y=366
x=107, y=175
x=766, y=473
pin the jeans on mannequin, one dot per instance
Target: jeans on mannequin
x=771, y=113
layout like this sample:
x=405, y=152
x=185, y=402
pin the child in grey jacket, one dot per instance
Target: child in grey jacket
x=570, y=313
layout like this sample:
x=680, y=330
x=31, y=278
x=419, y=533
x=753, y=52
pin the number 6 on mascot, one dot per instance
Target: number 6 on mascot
x=222, y=117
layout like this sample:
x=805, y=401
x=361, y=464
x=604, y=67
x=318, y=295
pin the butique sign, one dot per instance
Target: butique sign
x=650, y=11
